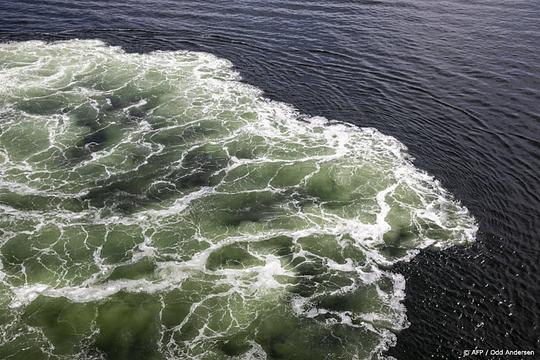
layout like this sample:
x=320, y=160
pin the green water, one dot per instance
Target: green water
x=154, y=207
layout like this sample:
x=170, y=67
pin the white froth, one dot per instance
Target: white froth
x=289, y=139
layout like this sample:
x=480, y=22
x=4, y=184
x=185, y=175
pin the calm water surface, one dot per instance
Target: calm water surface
x=457, y=82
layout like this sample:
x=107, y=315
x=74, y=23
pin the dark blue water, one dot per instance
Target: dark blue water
x=457, y=81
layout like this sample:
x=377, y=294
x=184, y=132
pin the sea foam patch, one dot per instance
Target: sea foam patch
x=154, y=205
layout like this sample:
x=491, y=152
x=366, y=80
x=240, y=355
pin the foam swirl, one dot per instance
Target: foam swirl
x=153, y=205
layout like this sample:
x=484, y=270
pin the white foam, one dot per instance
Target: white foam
x=207, y=90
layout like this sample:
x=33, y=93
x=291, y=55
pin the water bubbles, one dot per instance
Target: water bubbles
x=170, y=207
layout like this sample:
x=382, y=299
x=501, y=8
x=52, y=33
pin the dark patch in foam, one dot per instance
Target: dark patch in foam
x=234, y=346
x=30, y=202
x=94, y=141
x=130, y=192
x=47, y=105
x=143, y=269
x=47, y=313
x=279, y=245
x=129, y=327
x=283, y=336
x=396, y=241
x=177, y=307
x=231, y=256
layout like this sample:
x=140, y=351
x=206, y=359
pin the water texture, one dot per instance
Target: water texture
x=153, y=206
x=456, y=81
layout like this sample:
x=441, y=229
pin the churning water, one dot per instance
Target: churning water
x=152, y=205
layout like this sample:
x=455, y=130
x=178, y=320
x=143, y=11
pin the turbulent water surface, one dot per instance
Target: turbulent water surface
x=153, y=206
x=137, y=185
